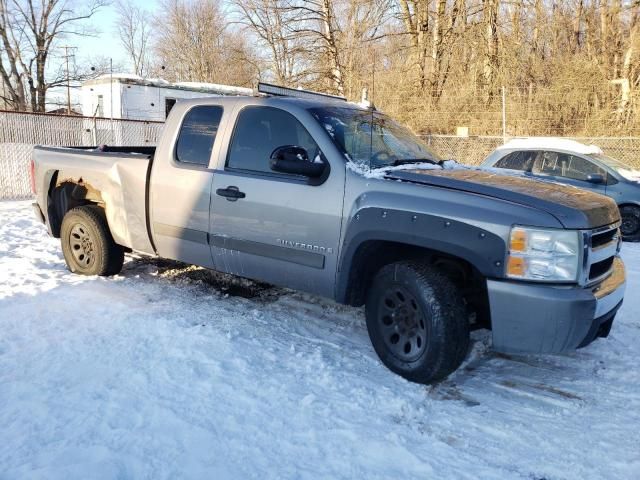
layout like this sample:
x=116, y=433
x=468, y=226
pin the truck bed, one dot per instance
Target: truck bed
x=115, y=177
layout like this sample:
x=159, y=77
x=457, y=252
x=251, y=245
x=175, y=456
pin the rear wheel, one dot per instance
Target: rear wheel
x=87, y=243
x=416, y=321
x=630, y=227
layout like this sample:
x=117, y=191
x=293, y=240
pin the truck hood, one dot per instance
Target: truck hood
x=573, y=207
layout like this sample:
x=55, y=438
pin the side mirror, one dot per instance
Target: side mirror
x=295, y=160
x=595, y=178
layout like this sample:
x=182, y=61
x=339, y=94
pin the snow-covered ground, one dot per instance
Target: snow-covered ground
x=167, y=372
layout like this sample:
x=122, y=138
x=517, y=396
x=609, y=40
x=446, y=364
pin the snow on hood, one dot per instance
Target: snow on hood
x=631, y=175
x=381, y=172
x=551, y=143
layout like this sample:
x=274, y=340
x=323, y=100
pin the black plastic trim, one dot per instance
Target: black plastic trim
x=481, y=248
x=600, y=327
x=300, y=257
x=188, y=234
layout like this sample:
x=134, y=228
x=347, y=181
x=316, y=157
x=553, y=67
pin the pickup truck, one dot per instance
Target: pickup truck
x=324, y=196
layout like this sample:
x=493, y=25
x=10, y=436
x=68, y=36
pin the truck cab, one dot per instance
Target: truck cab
x=248, y=218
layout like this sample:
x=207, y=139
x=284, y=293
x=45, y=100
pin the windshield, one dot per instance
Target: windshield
x=611, y=162
x=622, y=169
x=386, y=144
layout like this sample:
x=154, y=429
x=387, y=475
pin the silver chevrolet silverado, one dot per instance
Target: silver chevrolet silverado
x=328, y=197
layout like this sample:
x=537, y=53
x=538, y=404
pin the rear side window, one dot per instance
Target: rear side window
x=522, y=160
x=259, y=131
x=197, y=134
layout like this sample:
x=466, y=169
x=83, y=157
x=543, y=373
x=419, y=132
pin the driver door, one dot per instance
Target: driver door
x=279, y=228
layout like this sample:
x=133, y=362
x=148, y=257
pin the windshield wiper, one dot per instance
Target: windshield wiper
x=408, y=161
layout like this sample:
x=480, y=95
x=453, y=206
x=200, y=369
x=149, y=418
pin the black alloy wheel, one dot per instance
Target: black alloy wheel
x=403, y=324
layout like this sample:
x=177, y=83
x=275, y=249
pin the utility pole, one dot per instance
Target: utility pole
x=504, y=115
x=111, y=90
x=66, y=57
x=113, y=135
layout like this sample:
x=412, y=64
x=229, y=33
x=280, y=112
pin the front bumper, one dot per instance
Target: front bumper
x=536, y=318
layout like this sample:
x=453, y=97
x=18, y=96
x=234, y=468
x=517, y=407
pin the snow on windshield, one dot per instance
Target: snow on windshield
x=370, y=138
x=381, y=172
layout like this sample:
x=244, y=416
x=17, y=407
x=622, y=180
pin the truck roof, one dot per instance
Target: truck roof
x=272, y=100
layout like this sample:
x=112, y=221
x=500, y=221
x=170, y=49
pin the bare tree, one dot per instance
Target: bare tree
x=29, y=31
x=133, y=25
x=415, y=19
x=629, y=70
x=490, y=67
x=269, y=21
x=314, y=22
x=194, y=43
x=363, y=31
x=433, y=29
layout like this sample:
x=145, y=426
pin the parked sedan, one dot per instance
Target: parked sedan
x=584, y=166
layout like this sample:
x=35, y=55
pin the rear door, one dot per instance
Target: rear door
x=181, y=183
x=278, y=228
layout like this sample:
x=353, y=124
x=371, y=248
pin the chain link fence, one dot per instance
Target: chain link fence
x=20, y=132
x=473, y=150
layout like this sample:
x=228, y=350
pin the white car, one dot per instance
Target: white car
x=585, y=166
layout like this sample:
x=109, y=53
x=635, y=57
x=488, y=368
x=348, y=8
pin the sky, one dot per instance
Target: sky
x=104, y=44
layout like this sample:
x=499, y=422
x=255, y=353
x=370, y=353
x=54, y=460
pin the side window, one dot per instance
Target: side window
x=522, y=160
x=549, y=164
x=259, y=131
x=579, y=168
x=197, y=134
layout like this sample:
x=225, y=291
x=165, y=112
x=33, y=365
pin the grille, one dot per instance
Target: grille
x=602, y=249
x=599, y=239
x=600, y=268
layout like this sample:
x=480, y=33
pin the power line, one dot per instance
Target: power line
x=66, y=57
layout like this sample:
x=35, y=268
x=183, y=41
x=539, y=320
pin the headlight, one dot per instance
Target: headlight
x=543, y=254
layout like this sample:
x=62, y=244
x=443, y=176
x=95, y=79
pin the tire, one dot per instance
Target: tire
x=417, y=321
x=630, y=227
x=87, y=244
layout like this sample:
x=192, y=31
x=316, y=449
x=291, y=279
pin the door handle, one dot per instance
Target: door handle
x=231, y=193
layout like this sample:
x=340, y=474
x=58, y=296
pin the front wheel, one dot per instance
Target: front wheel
x=416, y=321
x=87, y=243
x=630, y=227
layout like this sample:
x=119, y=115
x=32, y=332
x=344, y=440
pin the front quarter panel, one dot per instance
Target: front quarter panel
x=469, y=226
x=625, y=192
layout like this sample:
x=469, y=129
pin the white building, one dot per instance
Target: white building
x=132, y=97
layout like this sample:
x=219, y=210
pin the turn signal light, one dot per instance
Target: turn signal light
x=516, y=267
x=518, y=240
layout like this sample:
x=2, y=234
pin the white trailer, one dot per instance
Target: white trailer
x=126, y=96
